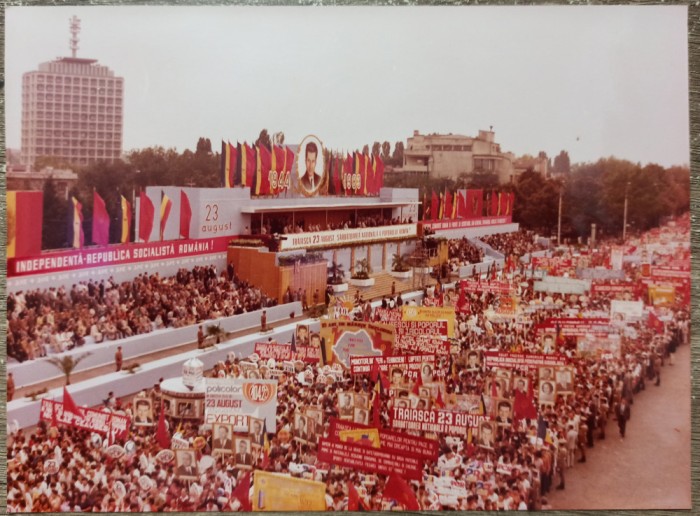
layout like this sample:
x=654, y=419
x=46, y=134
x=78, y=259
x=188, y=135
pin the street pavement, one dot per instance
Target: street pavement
x=650, y=468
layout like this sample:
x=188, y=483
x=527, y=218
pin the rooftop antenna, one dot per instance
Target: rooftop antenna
x=74, y=30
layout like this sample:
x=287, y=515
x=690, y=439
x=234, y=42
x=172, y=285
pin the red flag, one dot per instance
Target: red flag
x=495, y=203
x=248, y=165
x=185, y=215
x=162, y=435
x=353, y=497
x=438, y=401
x=654, y=323
x=100, y=220
x=461, y=206
x=242, y=493
x=504, y=206
x=146, y=213
x=397, y=489
x=448, y=205
x=434, y=206
x=263, y=165
x=417, y=385
x=69, y=404
x=347, y=175
x=377, y=407
x=374, y=371
x=475, y=204
x=379, y=176
x=524, y=405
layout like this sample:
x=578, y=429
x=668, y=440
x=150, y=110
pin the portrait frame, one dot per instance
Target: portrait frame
x=180, y=463
x=301, y=166
x=141, y=402
x=215, y=447
x=237, y=452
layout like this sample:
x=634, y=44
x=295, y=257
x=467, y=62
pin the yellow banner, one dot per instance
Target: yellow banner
x=11, y=218
x=369, y=436
x=662, y=295
x=275, y=492
x=431, y=313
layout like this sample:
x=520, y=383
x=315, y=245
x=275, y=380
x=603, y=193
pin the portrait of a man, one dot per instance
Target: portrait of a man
x=302, y=338
x=564, y=380
x=244, y=456
x=143, y=412
x=222, y=440
x=346, y=404
x=361, y=416
x=548, y=346
x=256, y=429
x=504, y=416
x=186, y=465
x=487, y=436
x=473, y=360
x=310, y=179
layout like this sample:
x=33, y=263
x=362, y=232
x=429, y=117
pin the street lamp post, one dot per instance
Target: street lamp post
x=559, y=222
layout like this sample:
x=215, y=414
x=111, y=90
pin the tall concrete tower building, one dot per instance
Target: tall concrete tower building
x=72, y=109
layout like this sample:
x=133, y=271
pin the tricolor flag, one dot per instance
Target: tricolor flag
x=125, y=235
x=100, y=220
x=366, y=168
x=448, y=205
x=378, y=174
x=229, y=164
x=475, y=204
x=165, y=206
x=441, y=210
x=246, y=165
x=77, y=233
x=265, y=443
x=185, y=215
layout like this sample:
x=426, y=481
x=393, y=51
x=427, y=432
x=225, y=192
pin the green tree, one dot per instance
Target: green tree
x=562, y=163
x=386, y=151
x=376, y=148
x=55, y=226
x=397, y=157
x=67, y=364
x=264, y=139
x=203, y=146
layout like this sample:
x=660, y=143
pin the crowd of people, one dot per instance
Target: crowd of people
x=52, y=320
x=463, y=252
x=514, y=469
x=284, y=225
x=518, y=244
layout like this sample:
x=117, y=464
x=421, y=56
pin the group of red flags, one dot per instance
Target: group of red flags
x=268, y=171
x=265, y=171
x=467, y=204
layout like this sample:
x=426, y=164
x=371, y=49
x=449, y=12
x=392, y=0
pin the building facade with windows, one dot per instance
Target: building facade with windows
x=451, y=155
x=72, y=110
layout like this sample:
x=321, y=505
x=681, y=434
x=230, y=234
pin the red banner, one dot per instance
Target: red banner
x=24, y=223
x=413, y=344
x=362, y=458
x=74, y=259
x=434, y=421
x=575, y=327
x=474, y=208
x=441, y=225
x=416, y=337
x=491, y=287
x=664, y=273
x=92, y=420
x=506, y=360
x=612, y=288
x=266, y=350
x=410, y=364
x=397, y=442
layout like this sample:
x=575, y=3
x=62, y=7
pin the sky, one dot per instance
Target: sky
x=594, y=81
